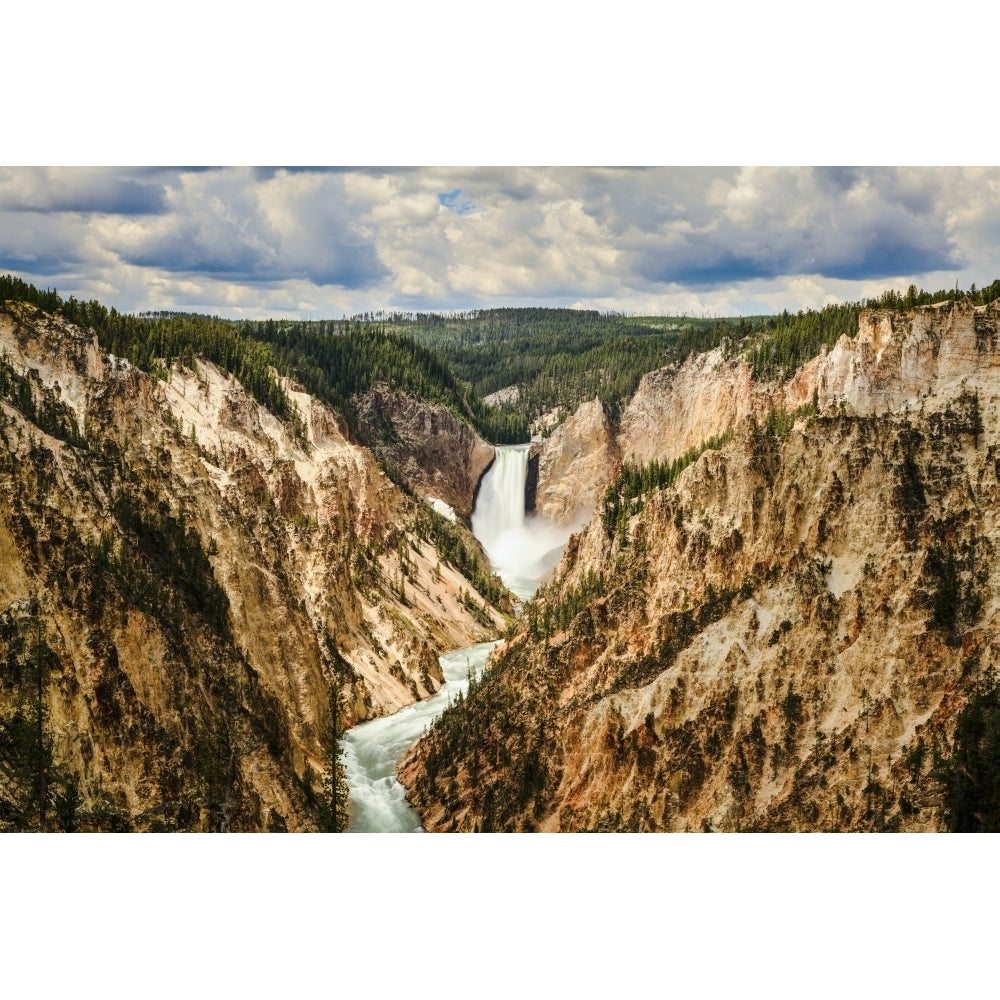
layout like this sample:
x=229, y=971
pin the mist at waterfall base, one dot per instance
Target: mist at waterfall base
x=523, y=550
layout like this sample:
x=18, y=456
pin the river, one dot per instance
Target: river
x=521, y=549
x=373, y=750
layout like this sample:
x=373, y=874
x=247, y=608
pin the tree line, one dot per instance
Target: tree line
x=334, y=360
x=556, y=358
x=340, y=361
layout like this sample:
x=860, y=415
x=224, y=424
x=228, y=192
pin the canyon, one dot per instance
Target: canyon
x=192, y=578
x=778, y=633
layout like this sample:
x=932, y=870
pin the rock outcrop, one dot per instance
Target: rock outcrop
x=193, y=578
x=437, y=454
x=574, y=465
x=676, y=408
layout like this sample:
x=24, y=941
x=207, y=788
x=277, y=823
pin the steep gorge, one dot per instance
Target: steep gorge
x=781, y=639
x=183, y=580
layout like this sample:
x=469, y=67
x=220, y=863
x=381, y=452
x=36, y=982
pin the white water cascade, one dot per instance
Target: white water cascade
x=522, y=549
x=373, y=750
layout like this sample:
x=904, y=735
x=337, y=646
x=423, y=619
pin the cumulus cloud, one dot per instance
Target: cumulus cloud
x=326, y=241
x=245, y=229
x=80, y=189
x=849, y=224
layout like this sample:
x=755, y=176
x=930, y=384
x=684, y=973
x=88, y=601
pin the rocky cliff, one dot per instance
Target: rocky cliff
x=426, y=445
x=780, y=638
x=891, y=362
x=183, y=579
x=574, y=465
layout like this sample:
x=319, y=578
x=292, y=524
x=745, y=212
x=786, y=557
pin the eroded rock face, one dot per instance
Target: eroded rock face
x=574, y=465
x=201, y=576
x=676, y=408
x=897, y=359
x=893, y=361
x=436, y=453
x=781, y=638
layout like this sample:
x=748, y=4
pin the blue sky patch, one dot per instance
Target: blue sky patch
x=454, y=202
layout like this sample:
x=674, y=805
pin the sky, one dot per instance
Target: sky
x=327, y=242
x=401, y=83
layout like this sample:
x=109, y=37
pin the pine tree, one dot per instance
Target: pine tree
x=334, y=815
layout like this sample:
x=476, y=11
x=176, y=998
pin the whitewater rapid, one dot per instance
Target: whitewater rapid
x=522, y=549
x=373, y=750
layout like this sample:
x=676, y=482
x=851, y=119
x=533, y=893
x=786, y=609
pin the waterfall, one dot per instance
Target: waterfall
x=500, y=504
x=522, y=549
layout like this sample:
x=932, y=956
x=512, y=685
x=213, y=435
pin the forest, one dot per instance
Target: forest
x=338, y=361
x=334, y=360
x=560, y=357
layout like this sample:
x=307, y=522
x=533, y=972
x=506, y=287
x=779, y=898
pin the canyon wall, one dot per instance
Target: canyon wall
x=893, y=361
x=574, y=465
x=426, y=445
x=780, y=639
x=199, y=577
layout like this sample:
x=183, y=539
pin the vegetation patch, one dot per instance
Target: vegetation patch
x=970, y=774
x=634, y=484
x=39, y=405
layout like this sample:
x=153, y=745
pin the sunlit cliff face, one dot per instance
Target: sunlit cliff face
x=201, y=574
x=783, y=637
